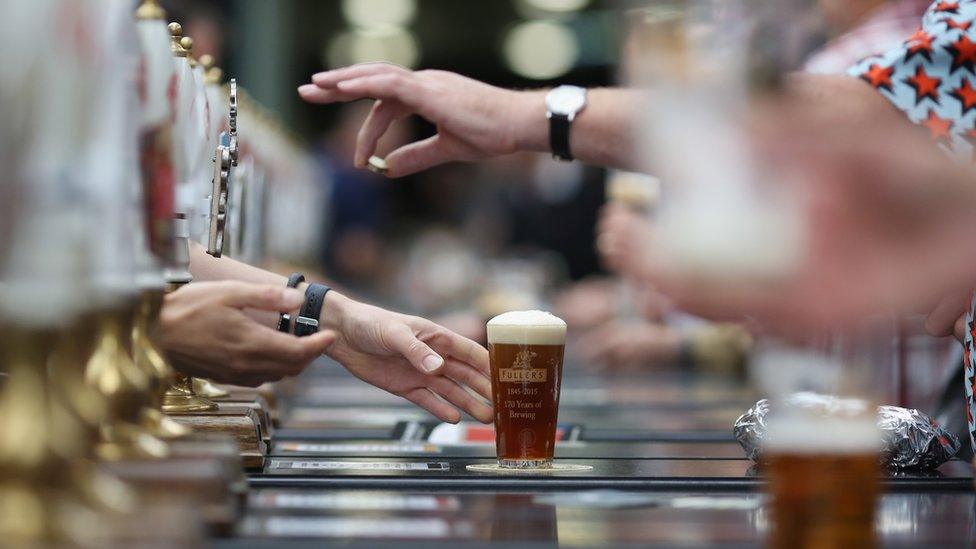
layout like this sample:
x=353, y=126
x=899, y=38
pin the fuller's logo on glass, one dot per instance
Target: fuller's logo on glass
x=522, y=370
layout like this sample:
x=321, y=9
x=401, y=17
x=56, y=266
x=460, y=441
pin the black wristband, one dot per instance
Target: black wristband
x=307, y=322
x=284, y=321
x=559, y=137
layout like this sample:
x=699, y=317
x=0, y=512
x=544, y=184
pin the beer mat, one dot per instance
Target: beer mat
x=556, y=468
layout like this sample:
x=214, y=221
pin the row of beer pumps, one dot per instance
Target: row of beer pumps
x=117, y=161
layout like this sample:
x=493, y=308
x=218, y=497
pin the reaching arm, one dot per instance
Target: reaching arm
x=474, y=120
x=408, y=356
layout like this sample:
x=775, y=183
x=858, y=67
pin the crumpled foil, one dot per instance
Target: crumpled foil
x=909, y=439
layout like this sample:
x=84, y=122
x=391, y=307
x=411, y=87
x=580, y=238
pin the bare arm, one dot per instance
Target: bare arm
x=474, y=120
x=408, y=356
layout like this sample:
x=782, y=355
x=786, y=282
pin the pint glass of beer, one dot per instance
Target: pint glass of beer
x=526, y=349
x=823, y=462
x=823, y=482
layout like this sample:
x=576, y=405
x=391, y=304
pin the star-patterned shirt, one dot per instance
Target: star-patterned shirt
x=931, y=77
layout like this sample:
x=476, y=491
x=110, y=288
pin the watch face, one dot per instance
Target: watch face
x=566, y=100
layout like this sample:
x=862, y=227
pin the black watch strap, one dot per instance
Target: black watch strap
x=559, y=136
x=284, y=321
x=307, y=322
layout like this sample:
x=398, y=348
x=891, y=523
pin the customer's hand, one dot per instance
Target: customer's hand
x=204, y=331
x=889, y=224
x=949, y=316
x=410, y=357
x=474, y=120
x=623, y=237
x=622, y=345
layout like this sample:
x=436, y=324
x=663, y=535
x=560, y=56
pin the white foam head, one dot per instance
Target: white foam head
x=823, y=436
x=527, y=328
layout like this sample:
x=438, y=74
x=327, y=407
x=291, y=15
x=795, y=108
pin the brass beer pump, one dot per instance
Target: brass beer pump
x=112, y=371
x=181, y=398
x=146, y=355
x=39, y=443
x=212, y=77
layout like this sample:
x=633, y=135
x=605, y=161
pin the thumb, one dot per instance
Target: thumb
x=418, y=156
x=240, y=295
x=415, y=351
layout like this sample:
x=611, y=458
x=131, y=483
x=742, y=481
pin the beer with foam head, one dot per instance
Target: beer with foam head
x=823, y=482
x=526, y=349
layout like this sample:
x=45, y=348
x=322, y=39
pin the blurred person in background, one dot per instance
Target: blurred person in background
x=355, y=247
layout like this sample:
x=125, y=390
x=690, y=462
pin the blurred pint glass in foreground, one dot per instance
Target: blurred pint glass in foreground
x=824, y=484
x=822, y=464
x=526, y=349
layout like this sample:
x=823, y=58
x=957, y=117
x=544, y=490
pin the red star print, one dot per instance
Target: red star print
x=939, y=128
x=963, y=53
x=879, y=77
x=958, y=25
x=919, y=43
x=966, y=95
x=947, y=7
x=925, y=86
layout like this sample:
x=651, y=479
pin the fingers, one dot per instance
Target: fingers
x=293, y=349
x=241, y=295
x=395, y=86
x=376, y=124
x=959, y=330
x=329, y=79
x=419, y=156
x=422, y=357
x=462, y=348
x=310, y=93
x=941, y=321
x=456, y=395
x=466, y=375
x=425, y=399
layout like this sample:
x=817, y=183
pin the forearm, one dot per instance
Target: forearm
x=205, y=267
x=605, y=133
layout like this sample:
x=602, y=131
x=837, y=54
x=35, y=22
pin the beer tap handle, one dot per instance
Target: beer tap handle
x=176, y=38
x=218, y=199
x=232, y=123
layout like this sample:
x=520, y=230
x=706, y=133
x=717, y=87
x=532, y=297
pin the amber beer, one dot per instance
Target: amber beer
x=526, y=349
x=823, y=483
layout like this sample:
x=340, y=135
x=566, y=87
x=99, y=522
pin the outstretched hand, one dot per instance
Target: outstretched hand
x=411, y=357
x=474, y=120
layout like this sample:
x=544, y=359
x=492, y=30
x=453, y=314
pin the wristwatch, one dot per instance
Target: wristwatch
x=284, y=321
x=562, y=106
x=307, y=322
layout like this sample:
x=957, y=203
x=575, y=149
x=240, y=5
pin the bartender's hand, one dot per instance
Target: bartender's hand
x=204, y=331
x=474, y=120
x=410, y=357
